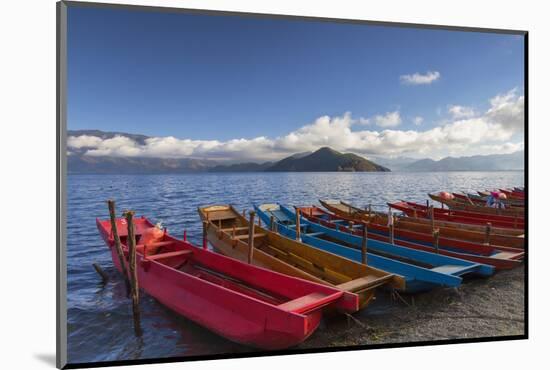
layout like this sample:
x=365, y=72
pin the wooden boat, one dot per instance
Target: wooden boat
x=513, y=194
x=481, y=201
x=241, y=302
x=418, y=210
x=510, y=195
x=462, y=206
x=498, y=237
x=501, y=258
x=228, y=231
x=422, y=270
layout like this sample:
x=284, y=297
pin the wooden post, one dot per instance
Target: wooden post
x=436, y=240
x=133, y=270
x=432, y=216
x=488, y=233
x=351, y=227
x=251, y=236
x=370, y=210
x=391, y=234
x=185, y=235
x=259, y=222
x=118, y=247
x=364, y=245
x=204, y=235
x=298, y=229
x=272, y=223
x=99, y=270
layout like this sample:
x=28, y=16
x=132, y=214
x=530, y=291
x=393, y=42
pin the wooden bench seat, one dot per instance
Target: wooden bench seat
x=170, y=254
x=299, y=304
x=156, y=244
x=245, y=236
x=364, y=282
x=236, y=229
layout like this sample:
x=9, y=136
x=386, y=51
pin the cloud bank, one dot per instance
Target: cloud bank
x=498, y=130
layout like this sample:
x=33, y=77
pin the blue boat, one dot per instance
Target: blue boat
x=422, y=270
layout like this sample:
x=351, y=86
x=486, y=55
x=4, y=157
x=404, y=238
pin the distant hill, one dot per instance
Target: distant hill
x=325, y=159
x=494, y=162
x=84, y=164
x=241, y=167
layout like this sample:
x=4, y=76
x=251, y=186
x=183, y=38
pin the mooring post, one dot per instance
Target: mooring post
x=298, y=229
x=432, y=215
x=118, y=247
x=351, y=227
x=436, y=240
x=488, y=228
x=251, y=236
x=204, y=235
x=364, y=244
x=133, y=270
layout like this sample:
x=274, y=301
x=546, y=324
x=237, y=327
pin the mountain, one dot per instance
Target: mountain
x=325, y=159
x=84, y=164
x=393, y=163
x=494, y=162
x=241, y=167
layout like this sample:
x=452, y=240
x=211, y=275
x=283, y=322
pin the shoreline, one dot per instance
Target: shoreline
x=480, y=308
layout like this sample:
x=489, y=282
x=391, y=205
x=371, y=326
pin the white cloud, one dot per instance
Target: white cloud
x=83, y=141
x=418, y=120
x=507, y=110
x=499, y=129
x=460, y=111
x=390, y=119
x=420, y=79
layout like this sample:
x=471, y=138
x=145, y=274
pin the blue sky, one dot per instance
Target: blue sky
x=219, y=78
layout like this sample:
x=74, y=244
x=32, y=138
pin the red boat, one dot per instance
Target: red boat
x=502, y=257
x=241, y=302
x=444, y=214
x=513, y=194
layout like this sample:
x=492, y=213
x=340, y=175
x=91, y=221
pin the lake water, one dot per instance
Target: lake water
x=99, y=317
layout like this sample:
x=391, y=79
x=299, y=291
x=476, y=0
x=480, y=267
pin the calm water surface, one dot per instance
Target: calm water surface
x=99, y=317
